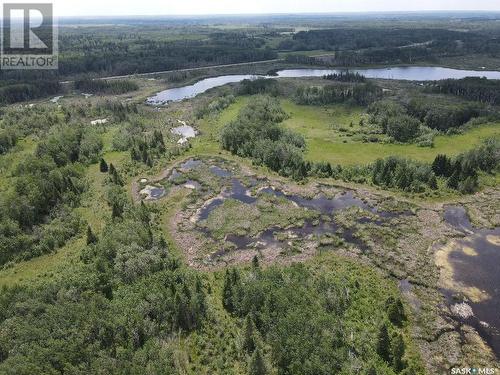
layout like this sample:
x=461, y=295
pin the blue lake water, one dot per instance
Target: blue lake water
x=410, y=73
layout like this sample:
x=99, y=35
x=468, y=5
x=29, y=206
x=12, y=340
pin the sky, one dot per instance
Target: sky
x=201, y=7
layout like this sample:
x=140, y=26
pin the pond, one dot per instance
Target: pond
x=151, y=193
x=184, y=131
x=474, y=260
x=411, y=73
x=457, y=217
x=317, y=228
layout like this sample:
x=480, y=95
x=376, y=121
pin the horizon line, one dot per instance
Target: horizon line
x=388, y=12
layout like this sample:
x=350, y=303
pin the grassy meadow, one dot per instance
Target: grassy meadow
x=330, y=134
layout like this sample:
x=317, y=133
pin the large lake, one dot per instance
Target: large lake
x=411, y=73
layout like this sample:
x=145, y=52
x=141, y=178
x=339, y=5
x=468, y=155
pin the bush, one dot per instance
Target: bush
x=215, y=106
x=403, y=128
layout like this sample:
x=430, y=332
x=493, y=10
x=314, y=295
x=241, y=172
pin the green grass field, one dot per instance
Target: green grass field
x=319, y=126
x=322, y=127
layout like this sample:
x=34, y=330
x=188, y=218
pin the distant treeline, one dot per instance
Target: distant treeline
x=377, y=45
x=144, y=52
x=346, y=76
x=18, y=91
x=301, y=59
x=473, y=88
x=363, y=38
x=115, y=87
x=100, y=53
x=359, y=94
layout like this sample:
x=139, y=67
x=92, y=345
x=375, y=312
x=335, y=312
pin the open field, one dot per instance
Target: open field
x=326, y=130
x=319, y=126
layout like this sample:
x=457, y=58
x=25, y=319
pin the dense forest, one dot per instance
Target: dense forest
x=127, y=308
x=12, y=91
x=381, y=45
x=90, y=322
x=363, y=38
x=108, y=52
x=478, y=89
x=103, y=51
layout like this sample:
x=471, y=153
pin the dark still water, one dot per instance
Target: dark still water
x=475, y=260
x=411, y=73
x=480, y=270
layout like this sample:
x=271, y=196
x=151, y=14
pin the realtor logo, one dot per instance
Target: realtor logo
x=29, y=36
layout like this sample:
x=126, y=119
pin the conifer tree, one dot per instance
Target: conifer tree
x=384, y=344
x=255, y=262
x=395, y=311
x=227, y=292
x=116, y=210
x=91, y=237
x=249, y=335
x=398, y=352
x=144, y=213
x=115, y=177
x=257, y=365
x=454, y=180
x=145, y=155
x=103, y=166
x=134, y=154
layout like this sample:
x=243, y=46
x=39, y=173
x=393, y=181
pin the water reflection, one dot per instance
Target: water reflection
x=411, y=73
x=475, y=260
